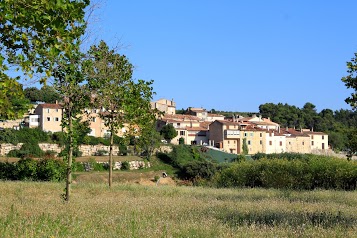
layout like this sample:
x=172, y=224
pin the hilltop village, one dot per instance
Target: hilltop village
x=198, y=127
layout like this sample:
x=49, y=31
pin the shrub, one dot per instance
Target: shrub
x=7, y=171
x=125, y=165
x=198, y=169
x=101, y=152
x=51, y=170
x=317, y=172
x=181, y=141
x=26, y=169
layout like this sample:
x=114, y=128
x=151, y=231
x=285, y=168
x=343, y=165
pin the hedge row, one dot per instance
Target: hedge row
x=34, y=170
x=316, y=172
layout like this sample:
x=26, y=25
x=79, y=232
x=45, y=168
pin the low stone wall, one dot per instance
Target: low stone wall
x=6, y=148
x=117, y=165
x=87, y=150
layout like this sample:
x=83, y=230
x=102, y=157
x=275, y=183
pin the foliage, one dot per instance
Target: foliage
x=126, y=102
x=315, y=172
x=352, y=143
x=46, y=94
x=13, y=103
x=27, y=150
x=125, y=165
x=149, y=139
x=181, y=141
x=30, y=169
x=351, y=81
x=245, y=146
x=168, y=132
x=198, y=170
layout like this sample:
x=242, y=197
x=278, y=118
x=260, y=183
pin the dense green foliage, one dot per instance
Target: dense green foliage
x=46, y=94
x=168, y=132
x=37, y=170
x=300, y=173
x=351, y=81
x=191, y=163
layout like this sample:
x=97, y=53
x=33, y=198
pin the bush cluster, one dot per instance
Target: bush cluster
x=316, y=172
x=190, y=162
x=35, y=170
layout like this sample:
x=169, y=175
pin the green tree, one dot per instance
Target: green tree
x=168, y=132
x=351, y=81
x=149, y=139
x=125, y=102
x=33, y=94
x=33, y=36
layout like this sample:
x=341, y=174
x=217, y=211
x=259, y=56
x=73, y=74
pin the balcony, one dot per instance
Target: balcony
x=231, y=134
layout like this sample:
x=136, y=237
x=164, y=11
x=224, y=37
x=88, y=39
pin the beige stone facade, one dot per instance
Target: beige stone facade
x=50, y=117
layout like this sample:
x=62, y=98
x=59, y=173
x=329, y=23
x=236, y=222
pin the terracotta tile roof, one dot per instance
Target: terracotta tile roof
x=291, y=132
x=196, y=129
x=214, y=115
x=225, y=122
x=314, y=133
x=50, y=105
x=181, y=117
x=205, y=124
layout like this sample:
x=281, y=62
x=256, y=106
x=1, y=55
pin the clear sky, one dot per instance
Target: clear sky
x=236, y=55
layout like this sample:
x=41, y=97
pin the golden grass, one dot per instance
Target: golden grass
x=34, y=209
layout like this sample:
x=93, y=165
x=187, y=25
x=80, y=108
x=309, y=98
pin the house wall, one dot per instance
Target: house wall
x=50, y=119
x=298, y=144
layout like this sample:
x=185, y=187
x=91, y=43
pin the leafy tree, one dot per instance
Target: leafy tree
x=32, y=38
x=149, y=139
x=351, y=81
x=33, y=94
x=124, y=101
x=168, y=132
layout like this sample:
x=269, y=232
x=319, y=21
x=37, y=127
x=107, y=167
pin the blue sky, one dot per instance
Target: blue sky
x=236, y=55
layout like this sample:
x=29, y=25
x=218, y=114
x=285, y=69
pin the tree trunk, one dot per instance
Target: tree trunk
x=111, y=159
x=70, y=154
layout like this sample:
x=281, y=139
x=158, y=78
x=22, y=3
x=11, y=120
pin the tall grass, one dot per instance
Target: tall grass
x=33, y=209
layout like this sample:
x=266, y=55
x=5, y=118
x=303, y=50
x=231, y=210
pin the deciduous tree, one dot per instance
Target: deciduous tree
x=125, y=102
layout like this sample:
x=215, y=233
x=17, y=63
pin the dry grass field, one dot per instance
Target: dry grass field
x=35, y=209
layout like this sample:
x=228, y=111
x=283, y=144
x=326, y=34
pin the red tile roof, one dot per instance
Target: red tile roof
x=50, y=105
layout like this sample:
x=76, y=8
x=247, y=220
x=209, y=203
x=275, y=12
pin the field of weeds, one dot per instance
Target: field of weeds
x=35, y=209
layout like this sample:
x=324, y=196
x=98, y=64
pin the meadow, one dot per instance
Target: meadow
x=35, y=209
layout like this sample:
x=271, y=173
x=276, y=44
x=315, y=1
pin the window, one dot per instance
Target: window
x=270, y=142
x=251, y=134
x=94, y=119
x=303, y=143
x=234, y=141
x=281, y=143
x=56, y=109
x=56, y=119
x=323, y=137
x=289, y=143
x=312, y=143
x=261, y=134
x=249, y=142
x=182, y=133
x=228, y=142
x=48, y=110
x=261, y=142
x=245, y=134
x=48, y=118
